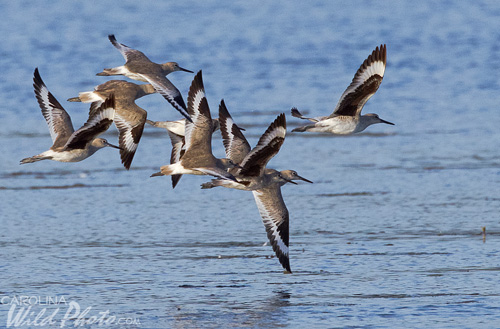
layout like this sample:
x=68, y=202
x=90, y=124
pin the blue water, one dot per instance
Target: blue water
x=388, y=236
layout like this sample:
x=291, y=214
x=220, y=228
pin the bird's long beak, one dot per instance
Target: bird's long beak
x=389, y=123
x=290, y=181
x=304, y=179
x=111, y=145
x=182, y=69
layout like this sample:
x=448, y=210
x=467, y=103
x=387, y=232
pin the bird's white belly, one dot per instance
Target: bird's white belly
x=74, y=155
x=336, y=125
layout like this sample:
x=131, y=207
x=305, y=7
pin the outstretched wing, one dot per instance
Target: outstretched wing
x=275, y=217
x=364, y=84
x=268, y=146
x=167, y=89
x=98, y=122
x=128, y=53
x=57, y=118
x=198, y=131
x=235, y=143
x=130, y=127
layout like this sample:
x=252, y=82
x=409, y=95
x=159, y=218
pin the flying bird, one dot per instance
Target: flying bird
x=346, y=118
x=129, y=117
x=252, y=175
x=139, y=67
x=197, y=159
x=70, y=145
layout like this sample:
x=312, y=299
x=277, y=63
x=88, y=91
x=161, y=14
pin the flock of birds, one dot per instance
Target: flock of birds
x=244, y=167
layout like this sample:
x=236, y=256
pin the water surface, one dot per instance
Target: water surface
x=388, y=236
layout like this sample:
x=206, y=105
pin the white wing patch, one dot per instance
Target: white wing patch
x=231, y=140
x=278, y=132
x=108, y=113
x=198, y=97
x=195, y=117
x=377, y=67
x=270, y=222
x=371, y=67
x=58, y=120
x=188, y=131
x=91, y=124
x=125, y=128
x=48, y=112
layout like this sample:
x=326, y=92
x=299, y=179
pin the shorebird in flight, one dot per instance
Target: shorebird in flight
x=197, y=157
x=346, y=118
x=70, y=145
x=252, y=175
x=129, y=117
x=139, y=67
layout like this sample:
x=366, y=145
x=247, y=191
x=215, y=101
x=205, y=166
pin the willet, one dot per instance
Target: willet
x=252, y=162
x=264, y=183
x=347, y=118
x=198, y=158
x=176, y=132
x=129, y=117
x=139, y=67
x=70, y=145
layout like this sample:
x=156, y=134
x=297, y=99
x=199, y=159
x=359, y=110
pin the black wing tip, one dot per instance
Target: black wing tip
x=197, y=83
x=38, y=85
x=199, y=74
x=126, y=156
x=223, y=111
x=377, y=55
x=285, y=262
x=283, y=258
x=380, y=53
x=127, y=161
x=37, y=79
x=112, y=38
x=36, y=73
x=280, y=121
x=175, y=180
x=295, y=112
